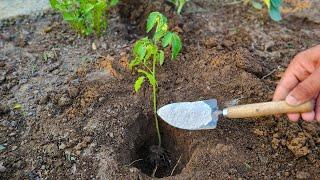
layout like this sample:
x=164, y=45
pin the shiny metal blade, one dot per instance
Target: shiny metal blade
x=191, y=115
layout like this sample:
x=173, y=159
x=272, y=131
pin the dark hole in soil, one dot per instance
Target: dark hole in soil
x=168, y=159
x=135, y=13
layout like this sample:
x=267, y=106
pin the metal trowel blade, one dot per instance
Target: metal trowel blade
x=191, y=115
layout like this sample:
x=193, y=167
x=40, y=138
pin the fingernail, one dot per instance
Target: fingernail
x=292, y=100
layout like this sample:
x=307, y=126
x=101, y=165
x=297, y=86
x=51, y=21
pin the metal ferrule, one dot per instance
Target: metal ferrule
x=225, y=112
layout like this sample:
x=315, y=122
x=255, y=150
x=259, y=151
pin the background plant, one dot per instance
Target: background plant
x=85, y=16
x=179, y=4
x=272, y=5
x=148, y=54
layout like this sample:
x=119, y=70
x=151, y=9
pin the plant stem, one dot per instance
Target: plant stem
x=155, y=114
x=154, y=90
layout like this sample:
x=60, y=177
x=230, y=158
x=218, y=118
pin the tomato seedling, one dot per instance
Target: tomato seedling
x=148, y=55
x=85, y=16
x=179, y=4
x=272, y=5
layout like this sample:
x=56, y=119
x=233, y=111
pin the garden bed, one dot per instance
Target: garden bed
x=68, y=109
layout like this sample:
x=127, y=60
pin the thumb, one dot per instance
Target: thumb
x=305, y=90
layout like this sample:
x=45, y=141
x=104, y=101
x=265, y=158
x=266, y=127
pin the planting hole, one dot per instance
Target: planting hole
x=153, y=160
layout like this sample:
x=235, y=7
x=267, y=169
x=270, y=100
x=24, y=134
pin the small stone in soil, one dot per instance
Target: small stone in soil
x=4, y=109
x=64, y=101
x=73, y=92
x=2, y=76
x=62, y=146
x=302, y=175
x=14, y=148
x=2, y=168
x=33, y=175
x=258, y=132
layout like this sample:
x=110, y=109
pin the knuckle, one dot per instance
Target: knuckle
x=304, y=91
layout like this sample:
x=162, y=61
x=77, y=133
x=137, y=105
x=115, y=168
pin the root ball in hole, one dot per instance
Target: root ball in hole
x=159, y=157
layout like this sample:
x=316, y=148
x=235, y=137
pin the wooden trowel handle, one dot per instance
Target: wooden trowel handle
x=265, y=109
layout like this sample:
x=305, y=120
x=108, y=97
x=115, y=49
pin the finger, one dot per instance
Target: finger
x=287, y=83
x=293, y=116
x=299, y=69
x=305, y=90
x=295, y=73
x=308, y=116
x=317, y=108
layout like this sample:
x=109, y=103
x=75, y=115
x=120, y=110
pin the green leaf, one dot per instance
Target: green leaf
x=152, y=19
x=180, y=6
x=167, y=39
x=275, y=13
x=17, y=106
x=150, y=77
x=161, y=57
x=276, y=3
x=151, y=50
x=88, y=8
x=100, y=6
x=136, y=61
x=138, y=83
x=139, y=48
x=114, y=2
x=156, y=18
x=256, y=5
x=54, y=3
x=69, y=17
x=176, y=46
x=141, y=51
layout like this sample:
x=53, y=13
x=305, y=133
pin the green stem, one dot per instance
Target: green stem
x=155, y=114
x=154, y=89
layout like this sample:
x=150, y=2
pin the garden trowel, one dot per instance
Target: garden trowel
x=205, y=114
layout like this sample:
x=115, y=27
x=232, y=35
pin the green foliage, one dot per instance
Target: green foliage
x=179, y=4
x=149, y=52
x=85, y=16
x=273, y=8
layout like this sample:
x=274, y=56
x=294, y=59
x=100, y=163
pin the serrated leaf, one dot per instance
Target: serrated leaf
x=135, y=62
x=138, y=83
x=152, y=19
x=176, y=46
x=256, y=5
x=161, y=57
x=139, y=48
x=150, y=77
x=167, y=39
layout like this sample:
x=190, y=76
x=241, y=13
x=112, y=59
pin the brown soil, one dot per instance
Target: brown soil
x=80, y=119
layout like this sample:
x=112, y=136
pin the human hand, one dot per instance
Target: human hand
x=301, y=83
